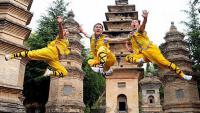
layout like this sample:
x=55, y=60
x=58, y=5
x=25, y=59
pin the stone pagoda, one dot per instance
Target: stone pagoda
x=122, y=86
x=180, y=96
x=150, y=86
x=14, y=17
x=66, y=94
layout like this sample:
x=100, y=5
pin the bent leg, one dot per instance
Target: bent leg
x=93, y=62
x=59, y=69
x=135, y=58
x=102, y=54
x=111, y=59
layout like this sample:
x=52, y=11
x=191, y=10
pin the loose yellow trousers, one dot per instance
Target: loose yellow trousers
x=50, y=55
x=153, y=54
x=110, y=60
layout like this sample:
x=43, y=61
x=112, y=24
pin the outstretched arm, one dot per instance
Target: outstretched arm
x=60, y=27
x=145, y=15
x=82, y=31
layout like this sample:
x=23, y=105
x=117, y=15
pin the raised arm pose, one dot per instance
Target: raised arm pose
x=51, y=53
x=146, y=51
x=103, y=58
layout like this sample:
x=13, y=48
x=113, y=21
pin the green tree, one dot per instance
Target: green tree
x=193, y=32
x=48, y=28
x=151, y=68
x=93, y=85
x=36, y=87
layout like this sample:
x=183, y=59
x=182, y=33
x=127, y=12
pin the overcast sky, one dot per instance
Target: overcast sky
x=89, y=12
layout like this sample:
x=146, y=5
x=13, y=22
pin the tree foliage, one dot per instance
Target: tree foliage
x=48, y=28
x=36, y=87
x=94, y=83
x=151, y=68
x=193, y=32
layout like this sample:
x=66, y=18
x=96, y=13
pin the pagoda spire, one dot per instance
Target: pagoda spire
x=121, y=2
x=178, y=93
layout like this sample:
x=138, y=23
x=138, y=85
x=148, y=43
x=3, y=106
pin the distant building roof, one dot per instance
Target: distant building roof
x=150, y=79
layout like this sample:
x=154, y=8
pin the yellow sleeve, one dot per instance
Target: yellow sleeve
x=139, y=33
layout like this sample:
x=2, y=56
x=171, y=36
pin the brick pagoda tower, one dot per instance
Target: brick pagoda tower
x=179, y=95
x=66, y=94
x=14, y=17
x=122, y=86
x=150, y=86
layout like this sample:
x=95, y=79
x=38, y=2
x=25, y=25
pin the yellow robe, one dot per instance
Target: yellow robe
x=144, y=48
x=51, y=53
x=99, y=46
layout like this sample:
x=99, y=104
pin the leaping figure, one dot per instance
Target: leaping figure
x=51, y=53
x=145, y=51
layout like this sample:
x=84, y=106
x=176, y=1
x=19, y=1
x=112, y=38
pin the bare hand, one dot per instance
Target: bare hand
x=80, y=29
x=59, y=19
x=130, y=50
x=145, y=13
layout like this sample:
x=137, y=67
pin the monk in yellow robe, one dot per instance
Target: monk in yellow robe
x=51, y=53
x=145, y=50
x=103, y=57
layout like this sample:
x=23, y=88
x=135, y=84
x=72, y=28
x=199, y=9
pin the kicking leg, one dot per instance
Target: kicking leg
x=45, y=54
x=22, y=54
x=163, y=62
x=59, y=70
x=154, y=55
x=178, y=71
